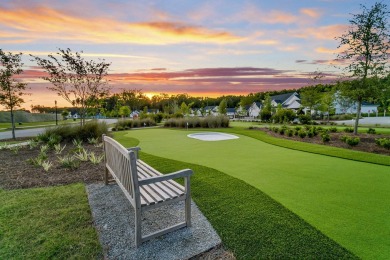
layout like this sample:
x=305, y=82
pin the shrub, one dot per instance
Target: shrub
x=282, y=130
x=325, y=137
x=69, y=132
x=343, y=138
x=353, y=141
x=348, y=130
x=283, y=115
x=384, y=142
x=333, y=129
x=290, y=132
x=302, y=133
x=310, y=133
x=275, y=129
x=207, y=122
x=69, y=162
x=304, y=119
x=371, y=131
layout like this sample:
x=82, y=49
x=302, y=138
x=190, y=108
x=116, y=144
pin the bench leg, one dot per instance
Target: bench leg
x=188, y=201
x=106, y=176
x=138, y=234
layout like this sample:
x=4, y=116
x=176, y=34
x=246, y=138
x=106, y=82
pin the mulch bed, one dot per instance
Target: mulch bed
x=17, y=173
x=367, y=141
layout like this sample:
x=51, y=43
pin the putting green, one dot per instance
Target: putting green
x=346, y=200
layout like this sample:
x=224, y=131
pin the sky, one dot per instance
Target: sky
x=202, y=48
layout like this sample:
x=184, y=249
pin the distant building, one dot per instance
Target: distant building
x=288, y=100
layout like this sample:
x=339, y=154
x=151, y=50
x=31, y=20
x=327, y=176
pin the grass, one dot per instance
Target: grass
x=313, y=148
x=250, y=223
x=344, y=199
x=8, y=127
x=47, y=223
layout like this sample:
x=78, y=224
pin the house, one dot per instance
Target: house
x=254, y=109
x=287, y=100
x=231, y=112
x=74, y=116
x=134, y=114
x=351, y=108
x=211, y=110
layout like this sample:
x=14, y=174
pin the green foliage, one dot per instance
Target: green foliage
x=69, y=132
x=128, y=124
x=384, y=142
x=304, y=119
x=82, y=155
x=348, y=130
x=94, y=158
x=69, y=161
x=350, y=140
x=290, y=132
x=222, y=108
x=206, y=122
x=302, y=133
x=332, y=129
x=371, y=131
x=283, y=115
x=124, y=111
x=325, y=137
x=47, y=223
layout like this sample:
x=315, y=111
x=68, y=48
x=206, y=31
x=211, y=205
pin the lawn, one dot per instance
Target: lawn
x=47, y=223
x=7, y=126
x=344, y=199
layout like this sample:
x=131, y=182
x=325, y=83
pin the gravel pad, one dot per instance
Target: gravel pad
x=113, y=217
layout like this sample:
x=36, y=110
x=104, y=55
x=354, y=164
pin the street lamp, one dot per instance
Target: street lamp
x=55, y=103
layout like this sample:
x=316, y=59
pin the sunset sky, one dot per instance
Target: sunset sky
x=203, y=48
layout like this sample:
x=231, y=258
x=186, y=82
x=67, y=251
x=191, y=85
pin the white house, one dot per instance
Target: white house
x=231, y=112
x=288, y=100
x=254, y=109
x=211, y=110
x=134, y=114
x=351, y=108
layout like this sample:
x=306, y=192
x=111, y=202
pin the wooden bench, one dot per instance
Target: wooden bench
x=144, y=186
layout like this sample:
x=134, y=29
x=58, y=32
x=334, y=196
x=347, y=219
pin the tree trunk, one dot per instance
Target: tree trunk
x=13, y=123
x=358, y=110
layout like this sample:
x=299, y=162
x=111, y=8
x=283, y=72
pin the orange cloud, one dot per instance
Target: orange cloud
x=46, y=23
x=313, y=13
x=328, y=32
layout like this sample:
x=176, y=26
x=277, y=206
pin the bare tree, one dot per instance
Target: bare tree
x=11, y=90
x=366, y=46
x=82, y=83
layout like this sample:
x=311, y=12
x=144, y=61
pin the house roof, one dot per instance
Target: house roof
x=282, y=97
x=366, y=104
x=209, y=107
x=230, y=110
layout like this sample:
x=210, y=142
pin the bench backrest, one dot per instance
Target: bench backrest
x=122, y=164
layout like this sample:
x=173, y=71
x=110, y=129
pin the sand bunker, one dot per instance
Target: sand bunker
x=212, y=136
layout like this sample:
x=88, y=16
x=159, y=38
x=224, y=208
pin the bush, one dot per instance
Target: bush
x=283, y=116
x=69, y=132
x=350, y=140
x=333, y=129
x=353, y=141
x=384, y=142
x=290, y=132
x=348, y=130
x=304, y=119
x=371, y=131
x=193, y=122
x=302, y=133
x=325, y=137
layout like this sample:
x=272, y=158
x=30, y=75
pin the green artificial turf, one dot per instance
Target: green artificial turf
x=312, y=148
x=344, y=199
x=47, y=223
x=250, y=223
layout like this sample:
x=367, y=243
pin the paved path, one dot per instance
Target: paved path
x=382, y=121
x=35, y=131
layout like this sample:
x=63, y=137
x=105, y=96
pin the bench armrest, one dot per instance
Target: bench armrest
x=135, y=150
x=174, y=175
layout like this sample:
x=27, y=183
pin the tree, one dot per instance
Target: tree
x=78, y=81
x=124, y=111
x=65, y=114
x=365, y=47
x=11, y=90
x=222, y=108
x=311, y=98
x=327, y=103
x=266, y=112
x=184, y=109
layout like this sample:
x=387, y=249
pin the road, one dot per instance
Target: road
x=380, y=121
x=35, y=131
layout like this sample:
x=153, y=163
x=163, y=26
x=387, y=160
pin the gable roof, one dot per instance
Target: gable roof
x=282, y=97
